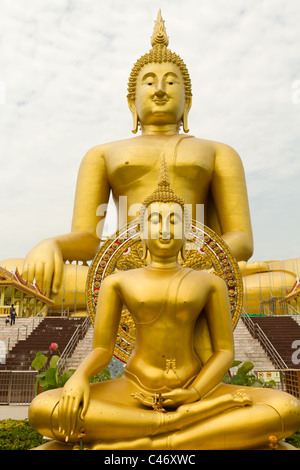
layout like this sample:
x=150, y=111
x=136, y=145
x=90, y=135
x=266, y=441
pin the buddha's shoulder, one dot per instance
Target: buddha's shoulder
x=101, y=150
x=214, y=147
x=204, y=277
x=122, y=277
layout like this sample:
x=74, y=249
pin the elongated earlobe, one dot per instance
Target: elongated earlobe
x=145, y=250
x=185, y=115
x=185, y=122
x=135, y=122
x=135, y=117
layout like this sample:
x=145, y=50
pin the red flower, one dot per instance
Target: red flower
x=53, y=347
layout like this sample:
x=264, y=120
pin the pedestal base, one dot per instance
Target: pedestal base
x=56, y=445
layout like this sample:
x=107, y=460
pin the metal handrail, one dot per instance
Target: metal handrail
x=78, y=334
x=16, y=332
x=258, y=333
x=66, y=312
x=267, y=310
x=294, y=311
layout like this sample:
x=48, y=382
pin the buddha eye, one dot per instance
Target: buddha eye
x=154, y=218
x=175, y=219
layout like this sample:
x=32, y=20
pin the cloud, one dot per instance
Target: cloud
x=65, y=66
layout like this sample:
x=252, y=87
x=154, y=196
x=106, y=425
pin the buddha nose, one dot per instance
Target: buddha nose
x=165, y=230
x=160, y=89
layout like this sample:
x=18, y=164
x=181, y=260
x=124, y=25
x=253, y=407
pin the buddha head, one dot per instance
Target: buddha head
x=164, y=220
x=159, y=86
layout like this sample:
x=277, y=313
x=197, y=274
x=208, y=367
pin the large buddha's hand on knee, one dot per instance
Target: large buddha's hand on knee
x=73, y=403
x=44, y=263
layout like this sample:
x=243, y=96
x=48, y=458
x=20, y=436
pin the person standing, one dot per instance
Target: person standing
x=12, y=315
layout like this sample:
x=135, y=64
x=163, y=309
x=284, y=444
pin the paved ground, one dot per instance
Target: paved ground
x=13, y=412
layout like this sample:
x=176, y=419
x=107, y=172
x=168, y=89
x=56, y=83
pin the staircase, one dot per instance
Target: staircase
x=22, y=325
x=82, y=349
x=249, y=349
x=281, y=331
x=51, y=329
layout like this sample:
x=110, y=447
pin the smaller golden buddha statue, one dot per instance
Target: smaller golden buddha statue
x=171, y=392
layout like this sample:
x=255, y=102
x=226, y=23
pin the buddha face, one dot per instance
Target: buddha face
x=160, y=95
x=164, y=229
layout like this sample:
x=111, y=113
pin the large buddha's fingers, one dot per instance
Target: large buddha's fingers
x=24, y=273
x=31, y=272
x=58, y=272
x=39, y=274
x=48, y=274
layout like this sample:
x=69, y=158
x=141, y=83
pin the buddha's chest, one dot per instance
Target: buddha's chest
x=135, y=164
x=163, y=302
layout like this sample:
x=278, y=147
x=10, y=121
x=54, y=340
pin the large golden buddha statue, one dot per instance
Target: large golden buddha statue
x=207, y=174
x=170, y=360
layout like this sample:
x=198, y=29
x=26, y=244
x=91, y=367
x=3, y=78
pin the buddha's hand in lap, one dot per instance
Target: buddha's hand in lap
x=44, y=263
x=240, y=397
x=172, y=399
x=73, y=404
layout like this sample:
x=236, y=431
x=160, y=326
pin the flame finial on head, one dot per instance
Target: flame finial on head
x=164, y=194
x=159, y=37
x=163, y=177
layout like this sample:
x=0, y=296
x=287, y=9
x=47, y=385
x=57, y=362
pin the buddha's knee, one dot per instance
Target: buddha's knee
x=288, y=408
x=41, y=411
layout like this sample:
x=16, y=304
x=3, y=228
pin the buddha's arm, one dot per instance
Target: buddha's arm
x=231, y=201
x=218, y=318
x=76, y=392
x=92, y=191
x=45, y=261
x=92, y=194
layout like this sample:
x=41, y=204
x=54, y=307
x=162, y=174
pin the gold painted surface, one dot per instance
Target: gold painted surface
x=171, y=394
x=123, y=251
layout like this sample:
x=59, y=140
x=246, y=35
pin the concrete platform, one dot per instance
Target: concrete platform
x=13, y=412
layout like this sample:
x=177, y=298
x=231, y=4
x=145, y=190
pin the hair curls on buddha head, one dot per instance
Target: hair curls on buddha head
x=159, y=54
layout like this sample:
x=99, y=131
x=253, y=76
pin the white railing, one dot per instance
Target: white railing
x=66, y=312
x=78, y=334
x=258, y=333
x=292, y=310
x=267, y=311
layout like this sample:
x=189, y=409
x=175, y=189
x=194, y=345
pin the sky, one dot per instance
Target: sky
x=64, y=66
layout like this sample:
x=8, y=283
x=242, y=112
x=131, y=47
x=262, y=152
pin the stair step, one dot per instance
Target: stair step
x=49, y=330
x=249, y=349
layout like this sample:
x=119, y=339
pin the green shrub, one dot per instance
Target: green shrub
x=245, y=377
x=18, y=435
x=294, y=440
x=101, y=377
